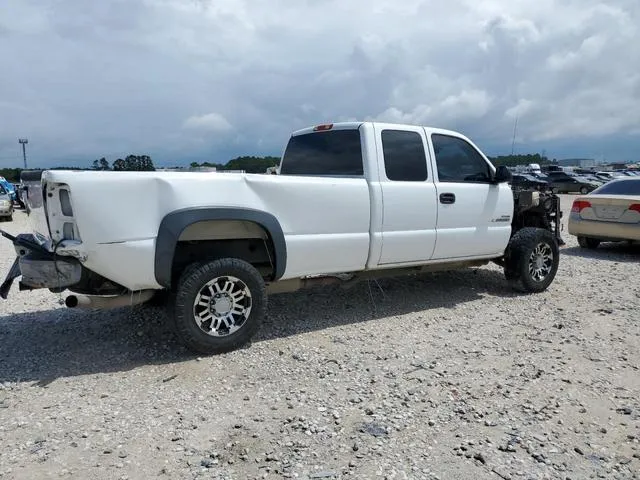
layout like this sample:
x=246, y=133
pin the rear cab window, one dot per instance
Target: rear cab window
x=324, y=153
x=404, y=156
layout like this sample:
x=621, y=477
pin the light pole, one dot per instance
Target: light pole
x=23, y=142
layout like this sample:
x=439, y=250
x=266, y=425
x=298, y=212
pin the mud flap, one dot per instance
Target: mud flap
x=14, y=273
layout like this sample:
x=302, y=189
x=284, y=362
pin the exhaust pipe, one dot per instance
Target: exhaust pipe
x=107, y=302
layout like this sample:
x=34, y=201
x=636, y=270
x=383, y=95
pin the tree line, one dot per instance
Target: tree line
x=131, y=163
x=141, y=163
x=249, y=164
x=515, y=160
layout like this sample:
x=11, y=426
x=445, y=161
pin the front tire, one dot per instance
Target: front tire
x=590, y=243
x=531, y=260
x=584, y=190
x=219, y=305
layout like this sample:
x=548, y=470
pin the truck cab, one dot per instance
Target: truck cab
x=432, y=193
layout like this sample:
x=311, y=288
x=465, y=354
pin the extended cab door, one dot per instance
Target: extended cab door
x=408, y=195
x=474, y=214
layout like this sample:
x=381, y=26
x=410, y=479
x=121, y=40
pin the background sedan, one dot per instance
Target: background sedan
x=524, y=181
x=609, y=213
x=564, y=183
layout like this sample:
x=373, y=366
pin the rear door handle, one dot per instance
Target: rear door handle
x=447, y=198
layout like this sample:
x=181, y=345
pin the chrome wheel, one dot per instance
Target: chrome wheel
x=222, y=306
x=541, y=262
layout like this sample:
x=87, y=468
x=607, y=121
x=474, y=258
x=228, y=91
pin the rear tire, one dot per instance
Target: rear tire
x=531, y=260
x=590, y=243
x=219, y=305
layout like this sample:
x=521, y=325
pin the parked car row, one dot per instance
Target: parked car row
x=11, y=195
x=6, y=204
x=559, y=181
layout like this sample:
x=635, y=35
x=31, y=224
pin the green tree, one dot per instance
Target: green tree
x=11, y=174
x=119, y=165
x=101, y=164
x=251, y=164
x=514, y=160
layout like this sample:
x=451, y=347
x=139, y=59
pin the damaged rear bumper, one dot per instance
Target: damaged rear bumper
x=38, y=267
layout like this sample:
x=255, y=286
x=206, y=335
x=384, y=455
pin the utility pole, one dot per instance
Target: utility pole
x=23, y=142
x=513, y=142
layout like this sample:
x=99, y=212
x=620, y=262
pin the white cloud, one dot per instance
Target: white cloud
x=88, y=79
x=210, y=122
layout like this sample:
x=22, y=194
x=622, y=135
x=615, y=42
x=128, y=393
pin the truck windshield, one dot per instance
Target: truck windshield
x=334, y=152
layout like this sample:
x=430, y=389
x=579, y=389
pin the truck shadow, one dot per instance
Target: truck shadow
x=43, y=346
x=611, y=251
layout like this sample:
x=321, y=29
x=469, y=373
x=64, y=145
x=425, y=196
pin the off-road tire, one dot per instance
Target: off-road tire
x=192, y=281
x=590, y=243
x=518, y=256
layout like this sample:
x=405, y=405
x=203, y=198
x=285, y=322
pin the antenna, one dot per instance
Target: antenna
x=513, y=142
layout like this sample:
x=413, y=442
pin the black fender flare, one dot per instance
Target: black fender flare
x=174, y=223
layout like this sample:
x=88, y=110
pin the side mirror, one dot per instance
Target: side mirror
x=503, y=174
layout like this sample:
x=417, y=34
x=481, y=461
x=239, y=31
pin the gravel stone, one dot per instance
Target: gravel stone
x=446, y=375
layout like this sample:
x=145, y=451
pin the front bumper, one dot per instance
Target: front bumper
x=38, y=267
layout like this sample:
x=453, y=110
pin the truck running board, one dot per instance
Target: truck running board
x=348, y=279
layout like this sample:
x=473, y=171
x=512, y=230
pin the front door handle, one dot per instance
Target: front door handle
x=447, y=198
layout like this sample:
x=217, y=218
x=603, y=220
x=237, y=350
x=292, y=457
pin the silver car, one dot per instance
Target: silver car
x=6, y=205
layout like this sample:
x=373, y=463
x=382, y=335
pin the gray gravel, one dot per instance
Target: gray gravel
x=446, y=376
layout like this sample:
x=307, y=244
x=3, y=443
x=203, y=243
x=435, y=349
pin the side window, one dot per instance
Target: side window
x=458, y=161
x=404, y=156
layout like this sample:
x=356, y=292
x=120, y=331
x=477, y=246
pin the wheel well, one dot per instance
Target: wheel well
x=222, y=230
x=214, y=239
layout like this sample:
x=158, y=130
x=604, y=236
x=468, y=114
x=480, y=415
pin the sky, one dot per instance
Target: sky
x=208, y=80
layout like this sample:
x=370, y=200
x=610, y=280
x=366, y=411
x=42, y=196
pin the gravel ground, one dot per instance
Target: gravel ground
x=446, y=376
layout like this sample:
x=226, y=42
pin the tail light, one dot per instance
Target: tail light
x=579, y=205
x=635, y=207
x=323, y=128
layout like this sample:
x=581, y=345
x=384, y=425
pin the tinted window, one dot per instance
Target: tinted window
x=335, y=152
x=458, y=161
x=404, y=157
x=621, y=187
x=2, y=190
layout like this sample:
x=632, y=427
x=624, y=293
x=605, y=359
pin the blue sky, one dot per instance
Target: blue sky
x=205, y=80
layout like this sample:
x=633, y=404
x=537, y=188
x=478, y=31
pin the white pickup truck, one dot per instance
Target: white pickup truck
x=349, y=201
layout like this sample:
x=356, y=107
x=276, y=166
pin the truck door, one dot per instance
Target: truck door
x=408, y=195
x=474, y=215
